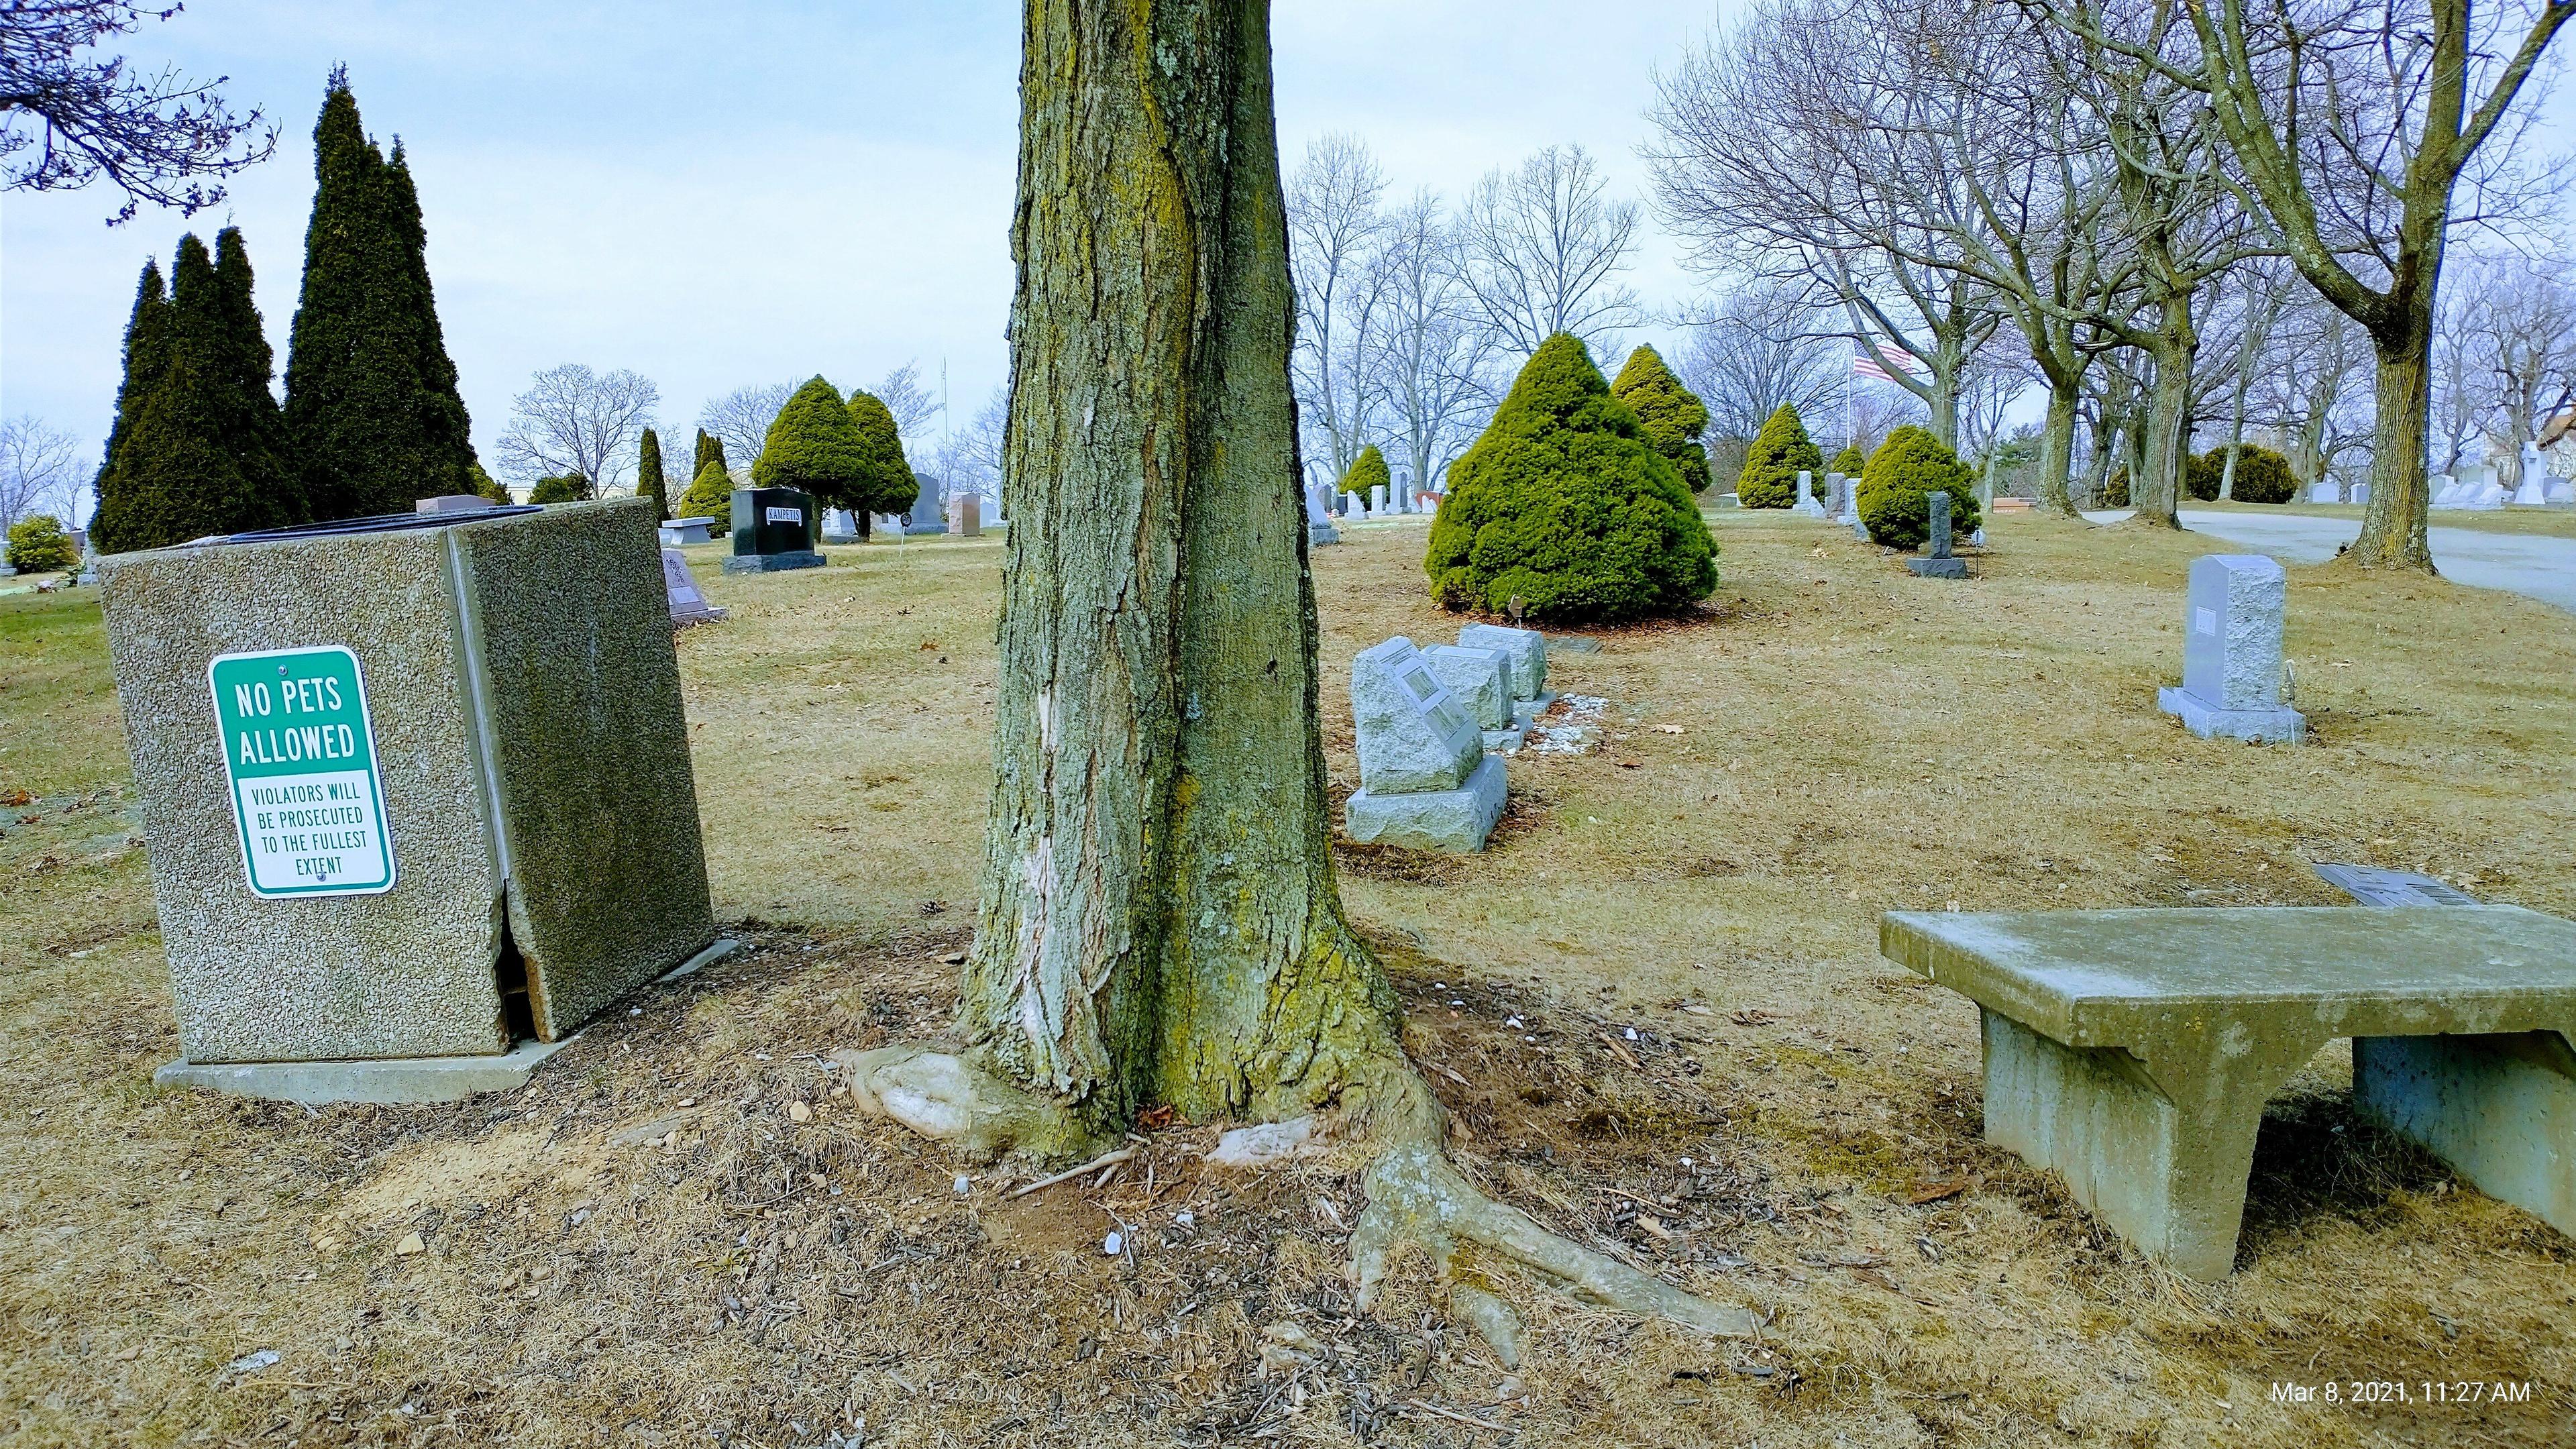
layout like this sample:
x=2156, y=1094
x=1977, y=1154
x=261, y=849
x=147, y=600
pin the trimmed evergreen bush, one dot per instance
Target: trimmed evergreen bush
x=2262, y=476
x=1672, y=415
x=887, y=484
x=2200, y=475
x=1564, y=505
x=710, y=494
x=1849, y=462
x=648, y=473
x=38, y=545
x=2115, y=489
x=1780, y=452
x=1896, y=489
x=1368, y=471
x=569, y=488
x=372, y=408
x=197, y=447
x=814, y=444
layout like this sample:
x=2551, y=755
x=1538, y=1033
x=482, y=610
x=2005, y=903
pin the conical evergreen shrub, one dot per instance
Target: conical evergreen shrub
x=1849, y=462
x=1367, y=471
x=1779, y=453
x=648, y=473
x=1565, y=506
x=372, y=407
x=710, y=494
x=710, y=450
x=814, y=444
x=201, y=454
x=889, y=485
x=1672, y=414
x=564, y=488
x=147, y=358
x=1897, y=486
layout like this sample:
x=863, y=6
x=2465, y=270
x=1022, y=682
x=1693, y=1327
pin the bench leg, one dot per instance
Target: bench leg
x=2501, y=1110
x=2160, y=1149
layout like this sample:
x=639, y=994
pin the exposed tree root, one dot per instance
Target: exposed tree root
x=1414, y=1194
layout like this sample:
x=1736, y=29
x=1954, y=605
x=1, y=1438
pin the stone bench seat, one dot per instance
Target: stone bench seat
x=2133, y=1050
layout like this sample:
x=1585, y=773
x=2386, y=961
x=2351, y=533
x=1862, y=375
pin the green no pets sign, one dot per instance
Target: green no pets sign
x=300, y=754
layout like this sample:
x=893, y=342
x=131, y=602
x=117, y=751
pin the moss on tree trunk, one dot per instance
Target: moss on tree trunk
x=1159, y=920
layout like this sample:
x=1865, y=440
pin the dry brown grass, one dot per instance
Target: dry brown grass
x=1843, y=739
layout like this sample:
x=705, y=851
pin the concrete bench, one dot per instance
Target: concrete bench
x=2133, y=1050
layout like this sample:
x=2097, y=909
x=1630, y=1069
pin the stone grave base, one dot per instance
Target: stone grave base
x=2261, y=726
x=395, y=1079
x=2492, y=1106
x=1319, y=534
x=770, y=563
x=1808, y=508
x=1938, y=568
x=1525, y=712
x=1453, y=820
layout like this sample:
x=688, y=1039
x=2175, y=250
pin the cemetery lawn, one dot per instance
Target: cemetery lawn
x=677, y=1235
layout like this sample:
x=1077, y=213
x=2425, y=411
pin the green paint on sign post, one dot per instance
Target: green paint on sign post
x=300, y=752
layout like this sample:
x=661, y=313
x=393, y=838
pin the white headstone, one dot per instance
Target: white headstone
x=1377, y=500
x=1413, y=734
x=1527, y=649
x=2361, y=493
x=1807, y=504
x=2534, y=490
x=688, y=605
x=1481, y=679
x=2324, y=493
x=2231, y=652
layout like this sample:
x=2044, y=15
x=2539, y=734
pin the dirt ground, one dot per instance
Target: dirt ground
x=679, y=1234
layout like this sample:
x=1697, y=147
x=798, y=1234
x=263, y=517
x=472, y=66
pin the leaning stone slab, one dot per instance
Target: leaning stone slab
x=2378, y=886
x=1413, y=735
x=2132, y=1051
x=1480, y=679
x=2231, y=653
x=529, y=754
x=1526, y=647
x=1452, y=820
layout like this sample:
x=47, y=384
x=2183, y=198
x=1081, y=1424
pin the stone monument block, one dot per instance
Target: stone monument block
x=454, y=503
x=1526, y=648
x=2361, y=493
x=929, y=511
x=1413, y=734
x=840, y=526
x=680, y=531
x=966, y=515
x=1480, y=679
x=773, y=529
x=1453, y=820
x=1319, y=516
x=2231, y=658
x=2324, y=493
x=688, y=603
x=1937, y=561
x=414, y=787
x=1807, y=506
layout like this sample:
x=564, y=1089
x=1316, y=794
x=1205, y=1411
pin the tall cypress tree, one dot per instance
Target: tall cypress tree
x=201, y=454
x=371, y=400
x=147, y=357
x=710, y=450
x=648, y=473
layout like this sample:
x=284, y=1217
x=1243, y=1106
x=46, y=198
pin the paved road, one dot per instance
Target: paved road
x=2536, y=565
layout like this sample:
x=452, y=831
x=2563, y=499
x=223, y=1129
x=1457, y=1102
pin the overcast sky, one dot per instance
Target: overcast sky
x=720, y=195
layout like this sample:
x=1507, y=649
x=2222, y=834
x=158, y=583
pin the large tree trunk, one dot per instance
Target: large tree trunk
x=2155, y=489
x=2057, y=450
x=1159, y=920
x=2393, y=527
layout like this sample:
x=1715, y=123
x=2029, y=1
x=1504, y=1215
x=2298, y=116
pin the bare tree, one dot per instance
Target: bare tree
x=1766, y=344
x=40, y=471
x=1336, y=222
x=573, y=420
x=969, y=459
x=1434, y=360
x=742, y=418
x=1542, y=247
x=69, y=116
x=2352, y=124
x=905, y=397
x=2522, y=314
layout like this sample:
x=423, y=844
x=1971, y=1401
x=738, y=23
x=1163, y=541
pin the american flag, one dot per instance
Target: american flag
x=1863, y=365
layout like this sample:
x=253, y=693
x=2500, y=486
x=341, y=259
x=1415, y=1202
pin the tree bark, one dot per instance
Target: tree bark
x=2393, y=527
x=2155, y=487
x=2057, y=450
x=1159, y=920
